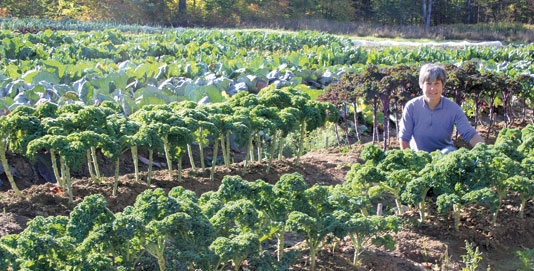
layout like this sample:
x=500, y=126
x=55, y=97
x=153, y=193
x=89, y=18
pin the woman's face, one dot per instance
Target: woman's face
x=432, y=92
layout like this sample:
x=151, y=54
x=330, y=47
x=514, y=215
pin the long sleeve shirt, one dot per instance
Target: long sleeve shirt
x=430, y=130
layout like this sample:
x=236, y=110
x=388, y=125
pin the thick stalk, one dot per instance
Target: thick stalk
x=95, y=163
x=247, y=157
x=149, y=173
x=301, y=141
x=357, y=250
x=201, y=146
x=136, y=163
x=90, y=166
x=223, y=149
x=494, y=218
x=228, y=147
x=180, y=168
x=356, y=125
x=422, y=211
x=281, y=245
x=281, y=150
x=69, y=185
x=63, y=170
x=522, y=208
x=258, y=144
x=273, y=147
x=456, y=210
x=59, y=180
x=399, y=205
x=214, y=159
x=116, y=180
x=191, y=159
x=167, y=156
x=313, y=251
x=7, y=171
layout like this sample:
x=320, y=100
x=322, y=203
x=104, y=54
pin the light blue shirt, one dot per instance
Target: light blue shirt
x=430, y=130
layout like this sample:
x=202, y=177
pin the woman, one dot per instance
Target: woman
x=428, y=120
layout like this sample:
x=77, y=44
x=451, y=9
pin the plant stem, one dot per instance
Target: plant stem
x=136, y=163
x=214, y=159
x=228, y=147
x=59, y=180
x=522, y=208
x=258, y=144
x=69, y=185
x=191, y=159
x=223, y=149
x=95, y=163
x=301, y=142
x=422, y=210
x=167, y=156
x=247, y=157
x=357, y=250
x=456, y=210
x=281, y=148
x=201, y=146
x=273, y=147
x=7, y=171
x=399, y=205
x=281, y=245
x=90, y=166
x=313, y=251
x=149, y=173
x=356, y=125
x=116, y=180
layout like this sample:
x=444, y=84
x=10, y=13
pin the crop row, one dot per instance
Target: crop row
x=75, y=132
x=181, y=231
x=483, y=176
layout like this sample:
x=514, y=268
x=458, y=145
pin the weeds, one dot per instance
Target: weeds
x=526, y=260
x=472, y=257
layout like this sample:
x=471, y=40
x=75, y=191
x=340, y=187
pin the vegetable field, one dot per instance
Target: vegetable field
x=187, y=150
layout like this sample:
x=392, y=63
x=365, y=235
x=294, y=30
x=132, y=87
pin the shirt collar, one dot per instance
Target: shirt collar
x=438, y=107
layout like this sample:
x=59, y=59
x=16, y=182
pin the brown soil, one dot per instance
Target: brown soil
x=418, y=245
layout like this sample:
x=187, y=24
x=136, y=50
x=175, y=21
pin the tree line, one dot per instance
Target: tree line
x=235, y=12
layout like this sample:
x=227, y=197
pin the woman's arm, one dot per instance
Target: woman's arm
x=476, y=139
x=404, y=144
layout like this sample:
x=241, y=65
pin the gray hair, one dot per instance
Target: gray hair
x=431, y=73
